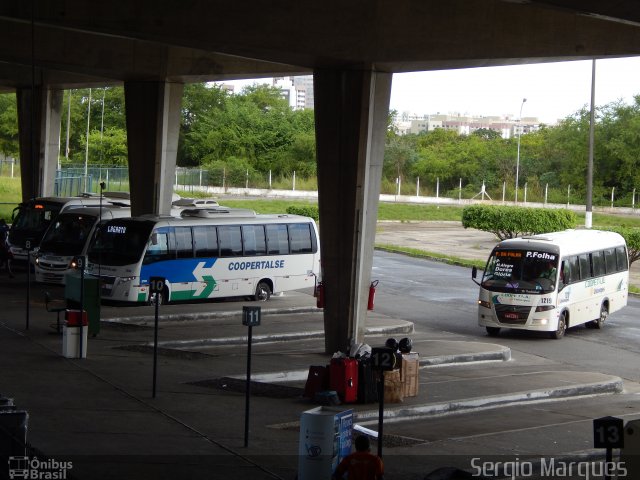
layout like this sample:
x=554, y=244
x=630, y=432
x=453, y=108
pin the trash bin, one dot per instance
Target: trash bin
x=90, y=300
x=72, y=329
x=325, y=439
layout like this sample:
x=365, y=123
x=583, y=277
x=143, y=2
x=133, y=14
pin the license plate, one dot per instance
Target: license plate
x=513, y=316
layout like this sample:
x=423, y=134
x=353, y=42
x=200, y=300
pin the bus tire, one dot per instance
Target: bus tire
x=161, y=298
x=493, y=331
x=604, y=313
x=263, y=292
x=562, y=327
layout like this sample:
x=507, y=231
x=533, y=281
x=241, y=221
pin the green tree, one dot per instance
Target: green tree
x=9, y=125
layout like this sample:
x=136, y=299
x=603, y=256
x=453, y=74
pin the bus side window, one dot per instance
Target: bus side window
x=300, y=238
x=610, y=260
x=230, y=241
x=254, y=240
x=184, y=242
x=205, y=239
x=597, y=261
x=623, y=259
x=158, y=248
x=585, y=266
x=572, y=270
x=277, y=239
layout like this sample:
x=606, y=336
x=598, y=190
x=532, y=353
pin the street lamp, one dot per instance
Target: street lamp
x=518, y=157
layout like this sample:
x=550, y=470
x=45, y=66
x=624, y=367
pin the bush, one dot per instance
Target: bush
x=510, y=222
x=306, y=211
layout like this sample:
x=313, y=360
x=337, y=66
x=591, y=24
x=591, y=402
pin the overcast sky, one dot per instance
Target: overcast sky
x=553, y=90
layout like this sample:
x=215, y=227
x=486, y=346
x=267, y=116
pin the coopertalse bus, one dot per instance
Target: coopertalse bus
x=31, y=219
x=553, y=281
x=68, y=237
x=205, y=254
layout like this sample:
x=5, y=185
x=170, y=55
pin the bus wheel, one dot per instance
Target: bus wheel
x=562, y=327
x=493, y=331
x=263, y=292
x=160, y=298
x=604, y=313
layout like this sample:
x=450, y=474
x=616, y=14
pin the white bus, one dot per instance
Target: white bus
x=233, y=253
x=553, y=281
x=68, y=237
x=31, y=219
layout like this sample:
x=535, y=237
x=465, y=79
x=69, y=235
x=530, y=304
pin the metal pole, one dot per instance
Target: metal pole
x=504, y=190
x=86, y=150
x=380, y=412
x=28, y=245
x=588, y=218
x=80, y=339
x=613, y=189
x=418, y=187
x=155, y=344
x=518, y=157
x=248, y=387
x=546, y=193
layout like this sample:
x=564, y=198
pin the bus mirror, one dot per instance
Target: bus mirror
x=474, y=272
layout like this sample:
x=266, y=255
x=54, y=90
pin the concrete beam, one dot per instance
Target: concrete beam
x=351, y=118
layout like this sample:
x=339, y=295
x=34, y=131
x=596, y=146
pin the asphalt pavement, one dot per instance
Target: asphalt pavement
x=97, y=417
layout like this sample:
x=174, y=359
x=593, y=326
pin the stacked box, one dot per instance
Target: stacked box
x=393, y=387
x=409, y=374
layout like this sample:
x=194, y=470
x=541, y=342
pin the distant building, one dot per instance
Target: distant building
x=298, y=91
x=507, y=127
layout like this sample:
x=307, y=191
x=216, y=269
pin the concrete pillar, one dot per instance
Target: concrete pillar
x=39, y=113
x=153, y=124
x=51, y=141
x=30, y=105
x=351, y=109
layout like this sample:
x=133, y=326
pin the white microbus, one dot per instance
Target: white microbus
x=68, y=237
x=31, y=219
x=233, y=253
x=553, y=281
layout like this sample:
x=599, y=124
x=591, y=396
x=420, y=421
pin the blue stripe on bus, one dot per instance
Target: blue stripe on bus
x=175, y=271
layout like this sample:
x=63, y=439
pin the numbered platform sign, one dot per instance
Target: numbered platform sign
x=608, y=432
x=384, y=358
x=156, y=284
x=251, y=316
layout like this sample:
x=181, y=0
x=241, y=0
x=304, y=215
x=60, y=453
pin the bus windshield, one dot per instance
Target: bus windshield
x=120, y=242
x=521, y=271
x=68, y=234
x=31, y=220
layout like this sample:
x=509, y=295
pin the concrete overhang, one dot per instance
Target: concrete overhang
x=84, y=43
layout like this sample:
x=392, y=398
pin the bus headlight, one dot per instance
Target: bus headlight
x=544, y=308
x=485, y=304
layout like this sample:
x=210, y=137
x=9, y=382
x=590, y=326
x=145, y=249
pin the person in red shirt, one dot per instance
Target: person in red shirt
x=361, y=464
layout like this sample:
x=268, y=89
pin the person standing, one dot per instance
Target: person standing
x=361, y=464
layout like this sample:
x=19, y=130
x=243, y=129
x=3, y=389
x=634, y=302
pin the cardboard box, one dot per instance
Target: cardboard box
x=409, y=374
x=393, y=390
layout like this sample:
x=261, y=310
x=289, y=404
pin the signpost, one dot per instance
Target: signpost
x=608, y=432
x=80, y=264
x=156, y=286
x=250, y=318
x=383, y=359
x=27, y=245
